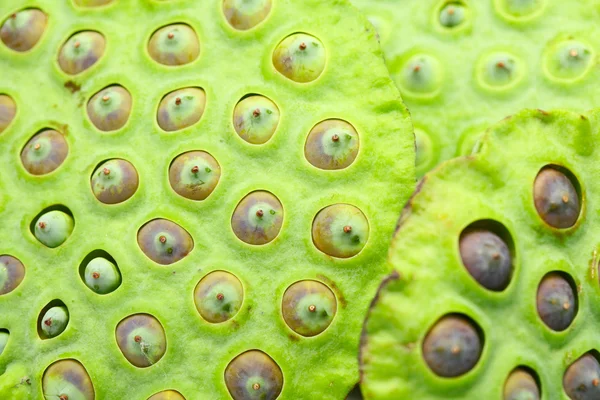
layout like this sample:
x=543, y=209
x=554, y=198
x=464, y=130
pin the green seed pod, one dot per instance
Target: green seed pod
x=102, y=276
x=500, y=71
x=173, y=45
x=81, y=51
x=22, y=30
x=92, y=3
x=332, y=144
x=164, y=242
x=255, y=119
x=300, y=57
x=67, y=380
x=167, y=395
x=582, y=379
x=141, y=339
x=53, y=228
x=556, y=302
x=4, y=336
x=258, y=217
x=453, y=14
x=568, y=60
x=246, y=14
x=44, y=152
x=308, y=307
x=452, y=347
x=8, y=110
x=114, y=181
x=253, y=375
x=12, y=273
x=521, y=385
x=54, y=321
x=109, y=109
x=340, y=230
x=420, y=75
x=556, y=198
x=181, y=108
x=194, y=175
x=218, y=296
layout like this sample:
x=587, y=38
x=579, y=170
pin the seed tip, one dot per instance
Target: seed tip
x=256, y=386
x=260, y=213
x=163, y=239
x=220, y=296
x=347, y=229
x=312, y=308
x=335, y=137
x=137, y=338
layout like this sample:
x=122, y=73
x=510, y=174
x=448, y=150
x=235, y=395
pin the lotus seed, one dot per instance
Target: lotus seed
x=141, y=339
x=102, y=276
x=340, y=230
x=521, y=385
x=164, y=242
x=114, y=181
x=556, y=199
x=181, y=109
x=81, y=51
x=167, y=395
x=452, y=14
x=500, y=71
x=556, y=302
x=420, y=76
x=332, y=144
x=568, y=60
x=53, y=228
x=255, y=119
x=250, y=221
x=54, y=321
x=194, y=175
x=68, y=380
x=8, y=110
x=109, y=109
x=308, y=307
x=253, y=375
x=12, y=273
x=218, y=296
x=582, y=379
x=174, y=45
x=300, y=57
x=44, y=152
x=23, y=30
x=246, y=14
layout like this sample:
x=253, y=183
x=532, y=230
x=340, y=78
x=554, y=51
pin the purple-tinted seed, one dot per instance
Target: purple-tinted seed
x=44, y=152
x=141, y=338
x=487, y=258
x=253, y=375
x=12, y=273
x=114, y=181
x=81, y=51
x=556, y=199
x=582, y=379
x=22, y=30
x=556, y=302
x=67, y=380
x=258, y=218
x=164, y=242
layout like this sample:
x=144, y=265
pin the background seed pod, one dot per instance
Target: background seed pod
x=543, y=320
x=462, y=65
x=354, y=86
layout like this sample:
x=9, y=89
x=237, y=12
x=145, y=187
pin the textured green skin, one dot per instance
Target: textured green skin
x=497, y=184
x=463, y=107
x=355, y=86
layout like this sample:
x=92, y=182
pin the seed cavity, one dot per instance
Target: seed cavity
x=181, y=108
x=164, y=242
x=300, y=57
x=253, y=375
x=557, y=301
x=552, y=186
x=109, y=109
x=308, y=307
x=254, y=227
x=100, y=273
x=522, y=384
x=141, y=338
x=218, y=296
x=568, y=60
x=418, y=75
x=167, y=395
x=519, y=10
x=53, y=320
x=246, y=14
x=340, y=230
x=174, y=45
x=500, y=71
x=194, y=175
x=44, y=152
x=255, y=119
x=8, y=110
x=52, y=228
x=68, y=380
x=22, y=30
x=12, y=272
x=81, y=51
x=582, y=378
x=114, y=181
x=332, y=144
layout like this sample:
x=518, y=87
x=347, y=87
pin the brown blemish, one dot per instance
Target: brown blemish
x=335, y=288
x=72, y=86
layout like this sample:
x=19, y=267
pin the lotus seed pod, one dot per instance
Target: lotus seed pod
x=300, y=57
x=167, y=395
x=308, y=307
x=67, y=380
x=531, y=333
x=194, y=175
x=453, y=14
x=22, y=30
x=173, y=45
x=164, y=242
x=92, y=3
x=568, y=60
x=218, y=296
x=521, y=385
x=8, y=110
x=109, y=109
x=53, y=228
x=141, y=339
x=54, y=321
x=12, y=273
x=500, y=71
x=340, y=230
x=246, y=14
x=253, y=375
x=4, y=336
x=332, y=144
x=556, y=199
x=582, y=378
x=421, y=75
x=81, y=51
x=255, y=119
x=114, y=181
x=44, y=152
x=102, y=276
x=181, y=108
x=487, y=258
x=258, y=217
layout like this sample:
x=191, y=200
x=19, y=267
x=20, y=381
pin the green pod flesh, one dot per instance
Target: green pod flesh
x=54, y=321
x=340, y=230
x=332, y=144
x=114, y=181
x=181, y=109
x=174, y=45
x=253, y=375
x=44, y=152
x=109, y=109
x=257, y=219
x=53, y=228
x=308, y=307
x=218, y=296
x=300, y=57
x=102, y=276
x=255, y=119
x=8, y=110
x=81, y=52
x=141, y=339
x=246, y=14
x=194, y=175
x=164, y=242
x=67, y=380
x=23, y=30
x=12, y=273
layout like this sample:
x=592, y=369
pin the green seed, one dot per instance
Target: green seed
x=427, y=152
x=114, y=181
x=500, y=71
x=568, y=60
x=218, y=296
x=194, y=175
x=8, y=110
x=12, y=273
x=67, y=380
x=53, y=228
x=109, y=109
x=300, y=57
x=521, y=385
x=556, y=301
x=340, y=230
x=308, y=307
x=54, y=321
x=582, y=379
x=246, y=14
x=556, y=199
x=181, y=109
x=4, y=336
x=81, y=51
x=22, y=30
x=167, y=395
x=44, y=152
x=258, y=218
x=255, y=119
x=520, y=9
x=452, y=14
x=420, y=75
x=175, y=44
x=141, y=339
x=332, y=144
x=164, y=242
x=102, y=276
x=253, y=375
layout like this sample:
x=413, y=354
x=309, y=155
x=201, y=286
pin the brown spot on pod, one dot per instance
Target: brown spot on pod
x=194, y=175
x=340, y=230
x=582, y=379
x=8, y=110
x=253, y=227
x=141, y=339
x=44, y=152
x=167, y=395
x=453, y=346
x=218, y=296
x=173, y=45
x=109, y=109
x=308, y=307
x=332, y=144
x=246, y=14
x=521, y=384
x=164, y=242
x=557, y=301
x=114, y=181
x=67, y=379
x=253, y=375
x=81, y=51
x=556, y=197
x=22, y=30
x=12, y=273
x=181, y=108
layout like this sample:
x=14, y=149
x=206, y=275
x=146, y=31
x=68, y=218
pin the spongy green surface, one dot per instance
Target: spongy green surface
x=455, y=117
x=354, y=86
x=495, y=184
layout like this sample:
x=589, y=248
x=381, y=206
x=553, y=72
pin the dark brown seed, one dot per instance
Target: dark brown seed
x=582, y=379
x=253, y=375
x=556, y=302
x=487, y=258
x=556, y=199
